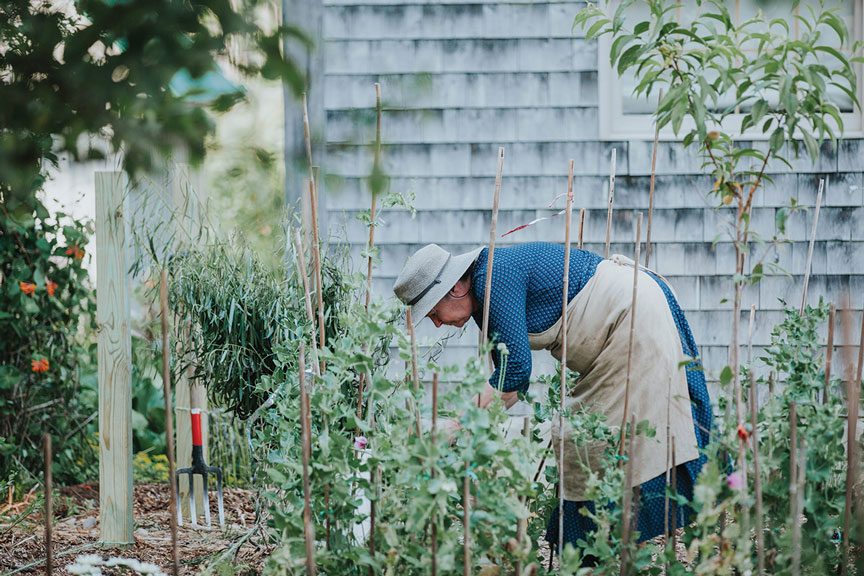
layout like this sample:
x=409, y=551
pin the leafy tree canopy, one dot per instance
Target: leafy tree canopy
x=70, y=71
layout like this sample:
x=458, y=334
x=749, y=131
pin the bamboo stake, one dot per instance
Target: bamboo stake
x=520, y=522
x=307, y=298
x=651, y=189
x=581, y=228
x=169, y=421
x=799, y=508
x=626, y=510
x=757, y=480
x=49, y=509
x=740, y=407
x=632, y=330
x=316, y=254
x=812, y=242
x=491, y=254
x=668, y=460
x=305, y=429
x=372, y=191
x=673, y=481
x=829, y=352
x=415, y=375
x=308, y=140
x=852, y=402
x=466, y=521
x=793, y=471
x=609, y=212
x=563, y=394
x=432, y=436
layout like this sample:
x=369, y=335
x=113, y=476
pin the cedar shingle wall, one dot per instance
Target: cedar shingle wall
x=459, y=80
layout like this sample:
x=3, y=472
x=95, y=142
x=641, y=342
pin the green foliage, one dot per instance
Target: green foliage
x=776, y=83
x=94, y=68
x=47, y=373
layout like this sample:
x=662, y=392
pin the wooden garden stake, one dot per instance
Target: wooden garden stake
x=757, y=480
x=169, y=420
x=308, y=141
x=415, y=376
x=829, y=352
x=852, y=401
x=491, y=255
x=673, y=481
x=563, y=393
x=609, y=212
x=363, y=377
x=812, y=242
x=305, y=430
x=626, y=507
x=651, y=188
x=466, y=521
x=632, y=331
x=307, y=298
x=432, y=474
x=793, y=468
x=581, y=228
x=316, y=253
x=799, y=508
x=49, y=509
x=668, y=459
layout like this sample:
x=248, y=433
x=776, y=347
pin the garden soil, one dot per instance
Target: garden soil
x=76, y=531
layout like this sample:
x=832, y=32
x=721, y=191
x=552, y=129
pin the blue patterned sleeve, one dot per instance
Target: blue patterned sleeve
x=507, y=324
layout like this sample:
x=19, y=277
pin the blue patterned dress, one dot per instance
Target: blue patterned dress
x=527, y=282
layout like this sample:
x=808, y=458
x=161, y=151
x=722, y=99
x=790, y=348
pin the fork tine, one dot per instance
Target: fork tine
x=219, y=501
x=206, y=499
x=179, y=509
x=192, y=499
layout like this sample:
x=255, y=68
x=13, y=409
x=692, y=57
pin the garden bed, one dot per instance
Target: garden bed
x=76, y=526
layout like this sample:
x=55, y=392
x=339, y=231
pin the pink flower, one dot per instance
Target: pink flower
x=735, y=481
x=360, y=442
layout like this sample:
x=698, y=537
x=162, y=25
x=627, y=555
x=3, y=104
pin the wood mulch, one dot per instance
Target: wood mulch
x=76, y=532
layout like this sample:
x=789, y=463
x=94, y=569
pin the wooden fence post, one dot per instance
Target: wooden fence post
x=115, y=366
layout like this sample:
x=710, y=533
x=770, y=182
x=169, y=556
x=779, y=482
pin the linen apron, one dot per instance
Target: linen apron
x=598, y=332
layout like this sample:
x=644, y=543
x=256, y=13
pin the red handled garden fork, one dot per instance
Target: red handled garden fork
x=200, y=467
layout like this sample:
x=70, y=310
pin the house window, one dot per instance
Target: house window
x=624, y=116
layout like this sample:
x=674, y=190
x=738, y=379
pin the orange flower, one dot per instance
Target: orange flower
x=75, y=251
x=50, y=287
x=27, y=287
x=40, y=366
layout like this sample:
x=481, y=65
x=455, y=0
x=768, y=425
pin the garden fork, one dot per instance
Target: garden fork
x=200, y=467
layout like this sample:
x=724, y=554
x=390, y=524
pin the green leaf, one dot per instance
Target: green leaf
x=726, y=376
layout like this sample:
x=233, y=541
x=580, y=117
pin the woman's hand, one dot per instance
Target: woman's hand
x=449, y=427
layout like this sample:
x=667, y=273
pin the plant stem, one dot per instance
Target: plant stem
x=609, y=211
x=829, y=352
x=812, y=242
x=466, y=521
x=563, y=393
x=173, y=510
x=632, y=332
x=651, y=188
x=799, y=508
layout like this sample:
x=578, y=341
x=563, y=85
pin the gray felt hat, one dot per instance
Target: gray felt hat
x=428, y=276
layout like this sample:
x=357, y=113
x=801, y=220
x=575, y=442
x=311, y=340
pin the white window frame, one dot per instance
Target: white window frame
x=617, y=126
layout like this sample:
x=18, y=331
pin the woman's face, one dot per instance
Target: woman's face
x=456, y=308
